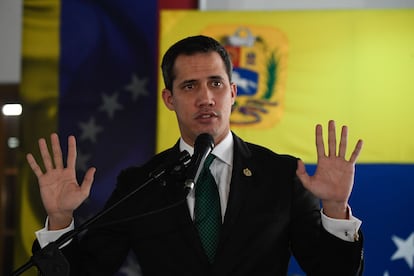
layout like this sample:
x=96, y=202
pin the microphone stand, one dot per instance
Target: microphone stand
x=50, y=261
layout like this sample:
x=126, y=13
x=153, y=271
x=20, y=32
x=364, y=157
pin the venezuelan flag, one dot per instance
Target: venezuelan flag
x=89, y=71
x=295, y=69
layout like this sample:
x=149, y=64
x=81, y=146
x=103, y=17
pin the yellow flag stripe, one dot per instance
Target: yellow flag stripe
x=39, y=94
x=353, y=66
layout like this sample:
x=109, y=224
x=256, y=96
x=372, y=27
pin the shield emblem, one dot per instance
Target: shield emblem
x=259, y=56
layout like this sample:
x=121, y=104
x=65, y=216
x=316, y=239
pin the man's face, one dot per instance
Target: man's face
x=201, y=97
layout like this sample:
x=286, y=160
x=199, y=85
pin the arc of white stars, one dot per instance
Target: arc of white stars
x=89, y=130
x=137, y=87
x=110, y=104
x=405, y=249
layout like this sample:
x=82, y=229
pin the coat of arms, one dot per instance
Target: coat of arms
x=259, y=56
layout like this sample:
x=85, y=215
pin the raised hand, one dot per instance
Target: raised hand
x=60, y=192
x=334, y=176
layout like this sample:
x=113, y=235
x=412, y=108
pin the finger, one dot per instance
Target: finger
x=57, y=151
x=332, y=138
x=320, y=146
x=87, y=181
x=344, y=141
x=44, y=152
x=356, y=152
x=302, y=174
x=33, y=164
x=71, y=152
x=301, y=168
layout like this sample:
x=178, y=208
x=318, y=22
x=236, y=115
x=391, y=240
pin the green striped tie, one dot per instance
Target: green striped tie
x=207, y=211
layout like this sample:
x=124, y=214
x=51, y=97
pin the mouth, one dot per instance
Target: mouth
x=206, y=115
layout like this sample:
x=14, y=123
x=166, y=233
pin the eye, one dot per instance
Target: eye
x=216, y=83
x=188, y=86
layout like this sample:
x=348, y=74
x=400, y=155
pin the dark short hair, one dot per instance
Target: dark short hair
x=189, y=46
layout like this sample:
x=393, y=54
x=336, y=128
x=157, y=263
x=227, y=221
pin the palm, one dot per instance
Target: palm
x=60, y=191
x=333, y=179
x=334, y=176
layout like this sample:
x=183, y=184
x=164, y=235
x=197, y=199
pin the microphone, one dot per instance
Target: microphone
x=203, y=145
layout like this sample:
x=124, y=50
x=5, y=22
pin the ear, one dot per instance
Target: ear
x=167, y=97
x=233, y=92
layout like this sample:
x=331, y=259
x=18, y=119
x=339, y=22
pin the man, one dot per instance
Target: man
x=269, y=205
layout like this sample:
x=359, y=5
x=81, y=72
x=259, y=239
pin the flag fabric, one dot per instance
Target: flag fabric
x=295, y=69
x=107, y=92
x=39, y=95
x=92, y=72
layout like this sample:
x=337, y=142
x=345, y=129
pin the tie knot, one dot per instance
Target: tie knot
x=208, y=161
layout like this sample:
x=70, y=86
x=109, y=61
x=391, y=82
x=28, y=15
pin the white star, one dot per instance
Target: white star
x=386, y=273
x=110, y=104
x=90, y=130
x=137, y=87
x=405, y=249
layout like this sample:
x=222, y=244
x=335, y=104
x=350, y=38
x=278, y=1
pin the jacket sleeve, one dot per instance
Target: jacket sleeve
x=317, y=251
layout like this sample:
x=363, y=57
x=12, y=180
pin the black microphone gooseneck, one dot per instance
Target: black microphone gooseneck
x=50, y=260
x=203, y=145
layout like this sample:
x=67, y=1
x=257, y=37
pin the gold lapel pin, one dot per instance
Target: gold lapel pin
x=247, y=172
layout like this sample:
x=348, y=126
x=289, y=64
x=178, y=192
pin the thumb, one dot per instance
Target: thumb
x=301, y=172
x=87, y=181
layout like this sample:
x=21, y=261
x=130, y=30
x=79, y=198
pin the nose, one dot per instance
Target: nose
x=205, y=96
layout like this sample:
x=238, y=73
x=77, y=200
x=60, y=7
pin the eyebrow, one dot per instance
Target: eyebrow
x=216, y=77
x=187, y=82
x=190, y=81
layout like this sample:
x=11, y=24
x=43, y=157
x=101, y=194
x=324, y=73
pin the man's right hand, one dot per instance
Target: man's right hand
x=60, y=192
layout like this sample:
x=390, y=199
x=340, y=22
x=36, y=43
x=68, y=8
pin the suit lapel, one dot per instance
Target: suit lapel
x=190, y=234
x=239, y=186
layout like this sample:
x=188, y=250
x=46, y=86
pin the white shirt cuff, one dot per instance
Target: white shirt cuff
x=345, y=229
x=45, y=236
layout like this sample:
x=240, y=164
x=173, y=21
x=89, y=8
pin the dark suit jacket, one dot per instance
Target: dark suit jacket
x=269, y=217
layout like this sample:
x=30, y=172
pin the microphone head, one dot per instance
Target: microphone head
x=203, y=141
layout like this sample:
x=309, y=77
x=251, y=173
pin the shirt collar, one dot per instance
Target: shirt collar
x=223, y=151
